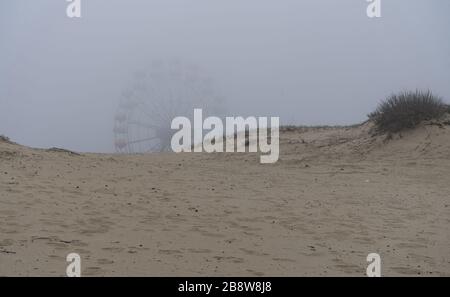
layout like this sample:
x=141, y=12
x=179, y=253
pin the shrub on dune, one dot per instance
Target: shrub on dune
x=406, y=110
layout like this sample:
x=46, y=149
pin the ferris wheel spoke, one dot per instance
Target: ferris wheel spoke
x=154, y=148
x=145, y=125
x=164, y=112
x=174, y=108
x=161, y=106
x=166, y=148
x=145, y=110
x=143, y=140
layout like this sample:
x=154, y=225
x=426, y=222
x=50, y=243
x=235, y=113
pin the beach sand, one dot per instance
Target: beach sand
x=334, y=196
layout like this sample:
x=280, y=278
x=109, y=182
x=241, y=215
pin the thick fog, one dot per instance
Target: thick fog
x=307, y=61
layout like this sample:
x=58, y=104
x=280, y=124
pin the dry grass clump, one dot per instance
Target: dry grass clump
x=4, y=138
x=406, y=110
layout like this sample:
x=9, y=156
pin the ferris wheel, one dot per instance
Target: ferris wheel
x=154, y=97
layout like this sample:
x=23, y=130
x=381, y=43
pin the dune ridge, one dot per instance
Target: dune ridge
x=335, y=195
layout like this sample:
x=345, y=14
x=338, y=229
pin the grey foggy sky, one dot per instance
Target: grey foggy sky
x=307, y=61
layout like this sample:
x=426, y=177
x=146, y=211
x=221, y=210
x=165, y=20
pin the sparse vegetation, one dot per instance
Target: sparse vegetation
x=4, y=138
x=60, y=150
x=406, y=110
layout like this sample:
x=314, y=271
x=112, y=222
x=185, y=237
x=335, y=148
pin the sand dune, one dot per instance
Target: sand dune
x=335, y=195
